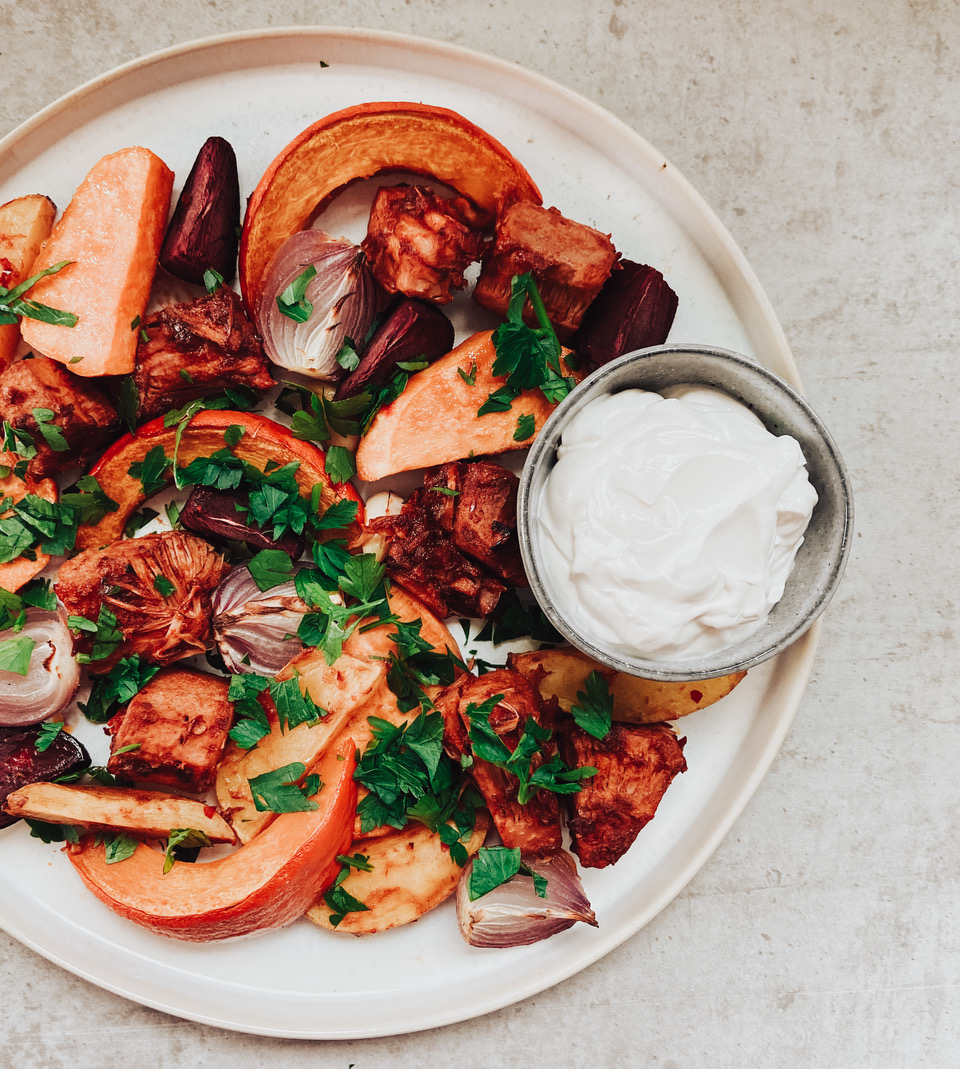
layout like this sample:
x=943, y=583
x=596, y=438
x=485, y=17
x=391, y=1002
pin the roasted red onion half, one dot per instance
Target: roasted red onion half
x=513, y=914
x=255, y=630
x=317, y=292
x=52, y=677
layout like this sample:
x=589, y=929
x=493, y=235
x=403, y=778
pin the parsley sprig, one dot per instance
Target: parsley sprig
x=411, y=777
x=14, y=304
x=527, y=357
x=552, y=775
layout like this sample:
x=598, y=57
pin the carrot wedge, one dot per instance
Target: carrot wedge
x=110, y=236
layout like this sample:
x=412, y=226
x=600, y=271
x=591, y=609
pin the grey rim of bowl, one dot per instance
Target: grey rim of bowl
x=827, y=473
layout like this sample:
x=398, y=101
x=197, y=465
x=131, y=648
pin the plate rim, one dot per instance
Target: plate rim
x=801, y=653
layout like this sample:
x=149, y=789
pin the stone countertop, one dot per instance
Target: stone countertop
x=824, y=930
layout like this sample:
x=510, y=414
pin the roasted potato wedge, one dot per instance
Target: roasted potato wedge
x=562, y=672
x=24, y=224
x=144, y=814
x=412, y=872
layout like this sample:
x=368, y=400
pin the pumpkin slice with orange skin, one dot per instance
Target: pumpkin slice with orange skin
x=15, y=573
x=359, y=142
x=263, y=885
x=435, y=418
x=263, y=442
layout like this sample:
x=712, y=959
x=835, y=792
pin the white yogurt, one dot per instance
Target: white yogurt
x=671, y=522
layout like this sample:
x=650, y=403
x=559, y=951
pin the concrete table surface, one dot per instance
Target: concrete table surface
x=824, y=930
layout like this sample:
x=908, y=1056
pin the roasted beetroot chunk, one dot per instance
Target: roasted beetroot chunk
x=158, y=587
x=214, y=514
x=195, y=349
x=420, y=243
x=22, y=763
x=203, y=231
x=634, y=310
x=534, y=827
x=413, y=330
x=81, y=413
x=635, y=764
x=569, y=261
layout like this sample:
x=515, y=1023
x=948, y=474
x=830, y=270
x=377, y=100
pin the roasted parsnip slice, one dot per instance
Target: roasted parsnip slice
x=144, y=814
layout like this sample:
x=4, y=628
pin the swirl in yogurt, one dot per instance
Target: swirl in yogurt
x=672, y=521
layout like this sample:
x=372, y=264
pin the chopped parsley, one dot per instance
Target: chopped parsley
x=182, y=839
x=595, y=712
x=495, y=865
x=293, y=302
x=15, y=654
x=48, y=734
x=117, y=687
x=552, y=775
x=528, y=358
x=279, y=791
x=411, y=777
x=14, y=304
x=337, y=897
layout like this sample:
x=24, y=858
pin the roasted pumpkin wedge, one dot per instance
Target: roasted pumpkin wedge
x=263, y=885
x=362, y=141
x=263, y=441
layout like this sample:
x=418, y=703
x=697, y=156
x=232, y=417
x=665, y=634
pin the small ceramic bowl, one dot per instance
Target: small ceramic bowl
x=821, y=558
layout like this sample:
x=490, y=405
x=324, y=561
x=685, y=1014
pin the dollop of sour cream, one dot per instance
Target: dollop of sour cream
x=671, y=521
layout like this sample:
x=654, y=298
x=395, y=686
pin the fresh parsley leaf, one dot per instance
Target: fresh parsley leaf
x=14, y=304
x=117, y=687
x=339, y=899
x=233, y=434
x=119, y=848
x=152, y=470
x=128, y=402
x=348, y=357
x=138, y=521
x=270, y=568
x=488, y=746
x=89, y=500
x=252, y=723
x=513, y=618
x=340, y=464
x=278, y=791
x=15, y=654
x=469, y=378
x=492, y=866
x=294, y=705
x=595, y=712
x=106, y=635
x=50, y=431
x=48, y=734
x=212, y=280
x=185, y=838
x=53, y=833
x=293, y=302
x=163, y=586
x=527, y=357
x=526, y=427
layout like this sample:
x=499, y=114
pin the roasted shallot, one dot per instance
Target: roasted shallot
x=318, y=292
x=255, y=630
x=514, y=914
x=52, y=676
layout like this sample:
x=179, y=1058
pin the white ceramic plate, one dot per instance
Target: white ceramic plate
x=258, y=90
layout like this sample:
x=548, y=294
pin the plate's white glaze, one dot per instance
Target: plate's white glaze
x=258, y=91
